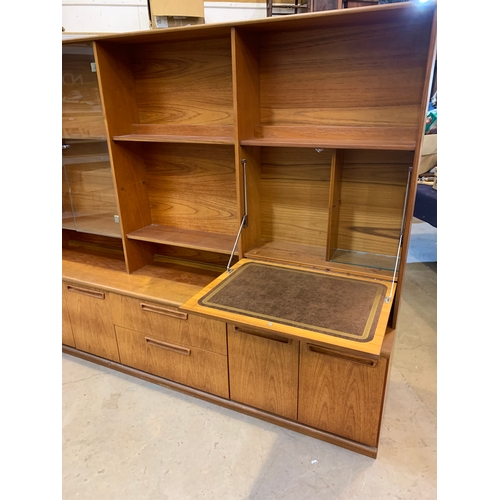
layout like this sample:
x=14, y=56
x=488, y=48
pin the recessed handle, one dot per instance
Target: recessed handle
x=163, y=310
x=170, y=347
x=347, y=357
x=86, y=291
x=268, y=336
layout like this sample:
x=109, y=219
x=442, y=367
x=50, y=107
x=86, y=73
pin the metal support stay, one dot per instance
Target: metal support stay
x=244, y=220
x=400, y=244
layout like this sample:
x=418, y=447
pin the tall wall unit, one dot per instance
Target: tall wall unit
x=237, y=201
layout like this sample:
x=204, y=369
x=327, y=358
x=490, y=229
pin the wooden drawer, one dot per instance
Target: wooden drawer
x=340, y=394
x=181, y=363
x=67, y=331
x=263, y=370
x=89, y=310
x=175, y=326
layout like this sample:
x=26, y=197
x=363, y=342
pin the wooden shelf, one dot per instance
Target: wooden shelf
x=200, y=240
x=180, y=139
x=389, y=138
x=182, y=134
x=106, y=270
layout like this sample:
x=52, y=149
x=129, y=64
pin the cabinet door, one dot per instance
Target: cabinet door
x=91, y=320
x=263, y=371
x=341, y=395
x=67, y=332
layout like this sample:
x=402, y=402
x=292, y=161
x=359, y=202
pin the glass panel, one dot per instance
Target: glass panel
x=88, y=194
x=88, y=190
x=82, y=116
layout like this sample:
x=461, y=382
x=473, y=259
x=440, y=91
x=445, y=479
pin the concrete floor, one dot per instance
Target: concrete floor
x=127, y=439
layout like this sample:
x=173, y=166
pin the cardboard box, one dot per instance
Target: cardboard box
x=173, y=13
x=428, y=159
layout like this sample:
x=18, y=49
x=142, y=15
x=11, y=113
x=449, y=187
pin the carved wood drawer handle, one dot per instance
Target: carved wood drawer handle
x=268, y=336
x=347, y=357
x=85, y=291
x=170, y=347
x=163, y=310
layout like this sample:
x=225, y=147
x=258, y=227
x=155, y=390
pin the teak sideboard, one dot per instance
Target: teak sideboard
x=237, y=203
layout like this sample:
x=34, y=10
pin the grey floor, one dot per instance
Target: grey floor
x=127, y=439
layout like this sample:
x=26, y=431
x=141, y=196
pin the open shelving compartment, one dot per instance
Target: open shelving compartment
x=328, y=122
x=169, y=108
x=330, y=209
x=341, y=85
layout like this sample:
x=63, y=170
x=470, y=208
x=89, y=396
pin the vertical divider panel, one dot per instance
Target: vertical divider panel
x=116, y=79
x=334, y=203
x=246, y=98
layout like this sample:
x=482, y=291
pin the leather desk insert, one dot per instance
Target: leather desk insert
x=319, y=306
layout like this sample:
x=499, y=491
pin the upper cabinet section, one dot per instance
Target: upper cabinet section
x=347, y=80
x=82, y=116
x=168, y=91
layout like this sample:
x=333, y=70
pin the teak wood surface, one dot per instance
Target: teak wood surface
x=264, y=370
x=191, y=366
x=177, y=327
x=91, y=322
x=341, y=396
x=325, y=113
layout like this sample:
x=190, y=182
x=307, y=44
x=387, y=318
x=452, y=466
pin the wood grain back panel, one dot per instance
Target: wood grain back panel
x=184, y=82
x=294, y=195
x=192, y=186
x=355, y=75
x=372, y=200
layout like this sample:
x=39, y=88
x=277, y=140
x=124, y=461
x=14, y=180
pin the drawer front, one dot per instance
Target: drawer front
x=174, y=325
x=181, y=363
x=340, y=394
x=91, y=320
x=264, y=370
x=67, y=332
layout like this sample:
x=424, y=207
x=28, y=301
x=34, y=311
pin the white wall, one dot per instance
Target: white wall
x=111, y=16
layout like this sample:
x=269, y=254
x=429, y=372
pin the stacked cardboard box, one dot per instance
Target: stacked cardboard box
x=173, y=13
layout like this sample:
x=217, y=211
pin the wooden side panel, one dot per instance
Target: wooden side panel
x=323, y=80
x=246, y=91
x=91, y=320
x=340, y=395
x=184, y=82
x=263, y=371
x=187, y=365
x=431, y=63
x=175, y=326
x=372, y=200
x=67, y=331
x=294, y=195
